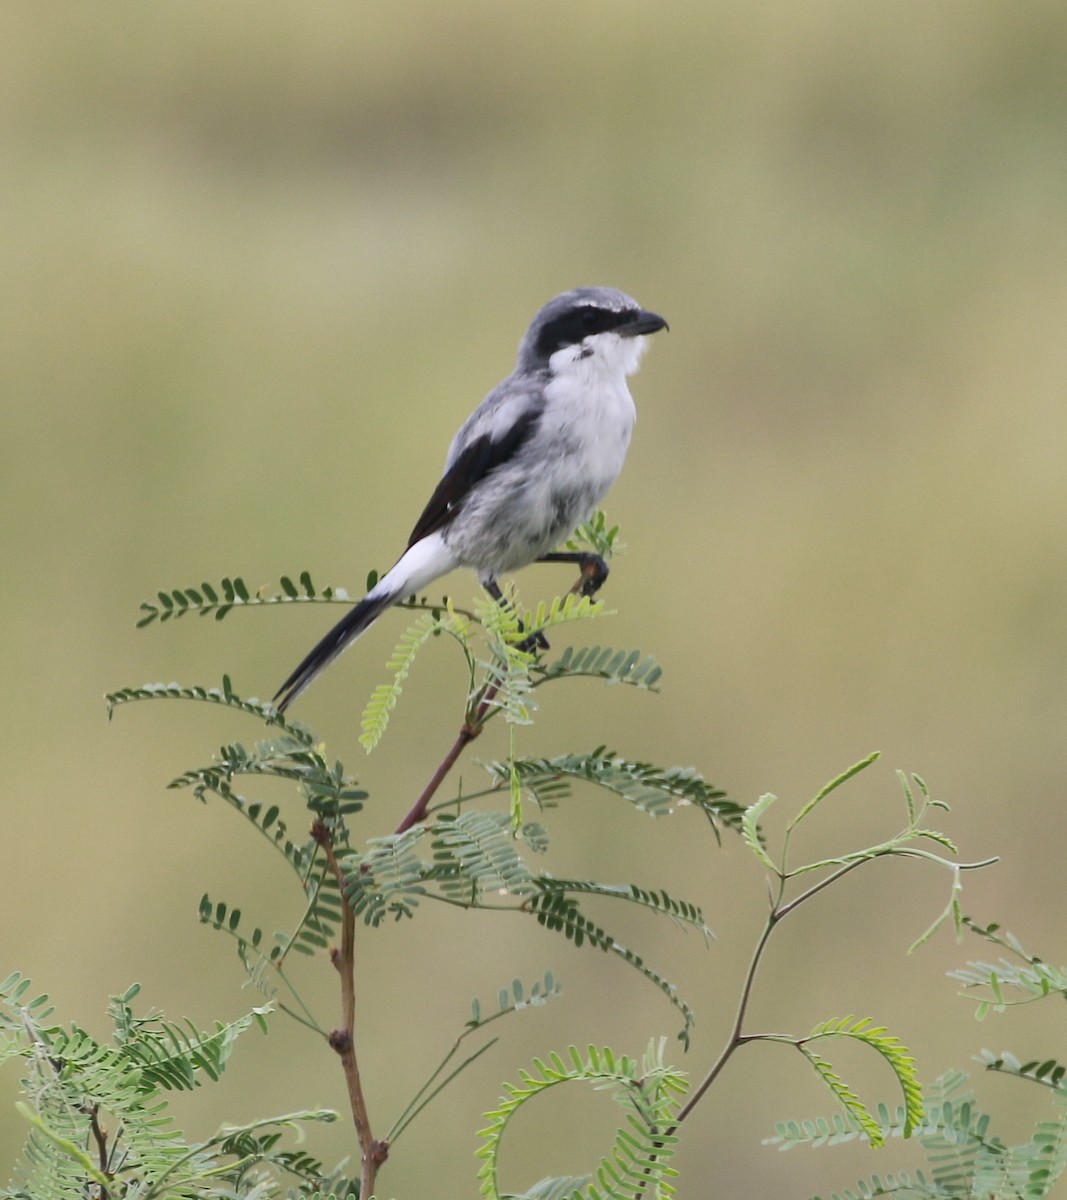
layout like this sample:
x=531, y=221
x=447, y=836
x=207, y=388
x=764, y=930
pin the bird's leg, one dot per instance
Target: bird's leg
x=536, y=641
x=594, y=570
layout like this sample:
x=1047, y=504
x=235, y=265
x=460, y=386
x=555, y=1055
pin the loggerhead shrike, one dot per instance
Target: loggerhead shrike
x=529, y=465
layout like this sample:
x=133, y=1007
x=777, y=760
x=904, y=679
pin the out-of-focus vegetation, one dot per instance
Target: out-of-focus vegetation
x=258, y=262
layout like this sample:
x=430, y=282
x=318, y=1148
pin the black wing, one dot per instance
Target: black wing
x=472, y=465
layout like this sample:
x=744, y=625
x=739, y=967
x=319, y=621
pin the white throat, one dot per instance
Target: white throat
x=604, y=356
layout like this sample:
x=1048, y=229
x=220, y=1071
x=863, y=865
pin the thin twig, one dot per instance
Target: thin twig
x=474, y=725
x=736, y=1037
x=99, y=1136
x=424, y=1095
x=342, y=1040
x=469, y=731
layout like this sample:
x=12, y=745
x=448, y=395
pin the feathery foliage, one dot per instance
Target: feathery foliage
x=681, y=912
x=601, y=662
x=472, y=849
x=476, y=863
x=224, y=696
x=384, y=699
x=638, y=1162
x=900, y=1062
x=475, y=858
x=506, y=669
x=964, y=1157
x=220, y=599
x=597, y=536
x=1047, y=1072
x=557, y=910
x=515, y=998
x=97, y=1112
x=329, y=792
x=655, y=790
x=562, y=610
x=476, y=855
x=1021, y=979
x=232, y=593
x=171, y=1056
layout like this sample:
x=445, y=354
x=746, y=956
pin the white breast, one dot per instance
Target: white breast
x=590, y=413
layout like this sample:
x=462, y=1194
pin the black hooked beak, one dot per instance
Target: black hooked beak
x=642, y=323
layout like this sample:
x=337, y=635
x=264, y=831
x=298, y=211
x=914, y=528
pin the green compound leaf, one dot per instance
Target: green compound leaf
x=891, y=1049
x=556, y=910
x=601, y=662
x=597, y=535
x=231, y=593
x=845, y=1096
x=655, y=790
x=380, y=706
x=833, y=785
x=750, y=829
x=224, y=696
x=173, y=1056
x=638, y=1162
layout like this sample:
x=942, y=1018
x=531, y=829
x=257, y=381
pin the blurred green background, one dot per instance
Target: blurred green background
x=258, y=263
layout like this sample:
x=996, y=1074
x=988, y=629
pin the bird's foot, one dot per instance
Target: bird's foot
x=533, y=642
x=594, y=570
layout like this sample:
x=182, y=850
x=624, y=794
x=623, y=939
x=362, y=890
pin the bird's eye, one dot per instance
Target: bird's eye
x=573, y=326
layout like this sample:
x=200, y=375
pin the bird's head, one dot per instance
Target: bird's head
x=589, y=323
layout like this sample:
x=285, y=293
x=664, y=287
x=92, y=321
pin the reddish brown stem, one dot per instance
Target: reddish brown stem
x=342, y=1040
x=594, y=572
x=470, y=730
x=99, y=1136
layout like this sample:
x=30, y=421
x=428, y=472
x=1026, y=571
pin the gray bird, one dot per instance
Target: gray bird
x=529, y=465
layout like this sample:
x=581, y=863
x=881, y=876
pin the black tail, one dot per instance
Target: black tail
x=341, y=636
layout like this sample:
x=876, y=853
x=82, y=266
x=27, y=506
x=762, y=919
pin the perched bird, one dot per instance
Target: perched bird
x=529, y=465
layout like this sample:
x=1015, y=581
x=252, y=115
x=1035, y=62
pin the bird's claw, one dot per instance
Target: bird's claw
x=594, y=570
